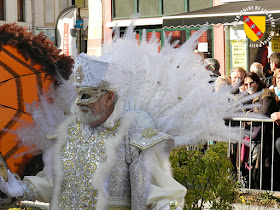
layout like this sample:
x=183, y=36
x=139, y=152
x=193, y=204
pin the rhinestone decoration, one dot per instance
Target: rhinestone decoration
x=79, y=75
x=29, y=192
x=81, y=155
x=149, y=132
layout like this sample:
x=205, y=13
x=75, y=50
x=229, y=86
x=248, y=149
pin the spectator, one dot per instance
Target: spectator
x=237, y=78
x=222, y=81
x=276, y=118
x=276, y=84
x=253, y=84
x=267, y=71
x=274, y=61
x=258, y=69
x=213, y=65
x=276, y=115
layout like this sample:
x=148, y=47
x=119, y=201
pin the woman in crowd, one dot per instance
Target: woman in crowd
x=276, y=118
x=266, y=99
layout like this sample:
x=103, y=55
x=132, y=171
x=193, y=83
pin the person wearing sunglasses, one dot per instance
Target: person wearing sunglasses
x=266, y=99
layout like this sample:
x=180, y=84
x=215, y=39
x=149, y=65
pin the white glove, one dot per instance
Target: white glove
x=12, y=188
x=167, y=207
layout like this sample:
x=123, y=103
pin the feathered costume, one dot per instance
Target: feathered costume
x=172, y=86
x=161, y=97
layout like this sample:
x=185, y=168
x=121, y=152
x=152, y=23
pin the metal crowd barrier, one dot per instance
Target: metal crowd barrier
x=249, y=122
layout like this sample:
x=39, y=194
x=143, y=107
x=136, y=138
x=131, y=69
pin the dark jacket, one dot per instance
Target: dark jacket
x=267, y=107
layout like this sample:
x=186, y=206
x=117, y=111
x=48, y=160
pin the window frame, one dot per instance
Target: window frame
x=2, y=10
x=21, y=10
x=136, y=9
x=188, y=34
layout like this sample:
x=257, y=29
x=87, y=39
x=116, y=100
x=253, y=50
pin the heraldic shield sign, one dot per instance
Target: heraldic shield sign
x=254, y=27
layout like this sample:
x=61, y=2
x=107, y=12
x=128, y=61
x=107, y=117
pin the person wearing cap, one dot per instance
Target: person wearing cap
x=213, y=65
x=105, y=157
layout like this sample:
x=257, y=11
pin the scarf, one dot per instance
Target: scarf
x=277, y=91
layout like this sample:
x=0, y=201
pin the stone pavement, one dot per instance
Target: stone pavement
x=248, y=207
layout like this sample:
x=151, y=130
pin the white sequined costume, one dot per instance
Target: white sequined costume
x=121, y=164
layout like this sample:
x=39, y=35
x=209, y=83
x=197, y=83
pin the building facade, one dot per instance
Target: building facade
x=40, y=15
x=187, y=16
x=100, y=16
x=150, y=16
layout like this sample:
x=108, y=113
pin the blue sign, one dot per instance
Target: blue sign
x=79, y=23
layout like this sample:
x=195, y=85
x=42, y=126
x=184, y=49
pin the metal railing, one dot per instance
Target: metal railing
x=248, y=124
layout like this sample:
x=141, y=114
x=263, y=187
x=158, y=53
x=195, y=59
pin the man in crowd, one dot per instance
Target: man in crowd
x=258, y=69
x=237, y=77
x=274, y=61
x=214, y=66
x=104, y=158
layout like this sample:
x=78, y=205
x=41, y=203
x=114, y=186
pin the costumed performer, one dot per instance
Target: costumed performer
x=132, y=103
x=104, y=158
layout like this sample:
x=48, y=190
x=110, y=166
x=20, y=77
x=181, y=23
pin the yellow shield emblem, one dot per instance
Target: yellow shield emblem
x=254, y=27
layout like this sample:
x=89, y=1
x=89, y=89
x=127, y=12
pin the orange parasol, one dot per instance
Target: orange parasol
x=28, y=64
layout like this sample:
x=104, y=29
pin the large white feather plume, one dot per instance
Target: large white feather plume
x=172, y=86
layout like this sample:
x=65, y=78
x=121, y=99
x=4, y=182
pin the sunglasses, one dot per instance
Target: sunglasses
x=251, y=83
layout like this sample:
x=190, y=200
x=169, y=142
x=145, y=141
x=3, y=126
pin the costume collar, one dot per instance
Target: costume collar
x=110, y=122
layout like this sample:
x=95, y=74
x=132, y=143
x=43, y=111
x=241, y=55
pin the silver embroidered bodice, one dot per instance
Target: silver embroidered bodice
x=123, y=178
x=81, y=155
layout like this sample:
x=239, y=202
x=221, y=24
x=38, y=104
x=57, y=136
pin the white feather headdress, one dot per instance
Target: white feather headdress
x=172, y=86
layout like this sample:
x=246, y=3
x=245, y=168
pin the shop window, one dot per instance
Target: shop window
x=123, y=8
x=177, y=36
x=2, y=9
x=205, y=43
x=137, y=35
x=199, y=4
x=157, y=36
x=149, y=7
x=21, y=10
x=173, y=7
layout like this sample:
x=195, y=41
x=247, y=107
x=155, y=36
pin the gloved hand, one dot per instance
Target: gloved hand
x=12, y=188
x=173, y=205
x=167, y=207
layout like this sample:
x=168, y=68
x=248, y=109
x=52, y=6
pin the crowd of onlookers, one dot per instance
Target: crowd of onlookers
x=267, y=84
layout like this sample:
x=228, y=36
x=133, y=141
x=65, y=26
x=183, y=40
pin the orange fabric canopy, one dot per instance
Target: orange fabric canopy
x=20, y=83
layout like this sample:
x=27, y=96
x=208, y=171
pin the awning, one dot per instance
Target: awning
x=223, y=14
